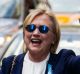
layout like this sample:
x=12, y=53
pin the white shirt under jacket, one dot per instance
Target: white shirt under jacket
x=30, y=67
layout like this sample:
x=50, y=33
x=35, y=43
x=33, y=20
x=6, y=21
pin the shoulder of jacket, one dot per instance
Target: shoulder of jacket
x=6, y=64
x=8, y=60
x=63, y=53
x=61, y=57
x=66, y=52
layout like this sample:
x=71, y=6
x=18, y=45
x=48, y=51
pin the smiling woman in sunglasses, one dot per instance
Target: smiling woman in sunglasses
x=41, y=36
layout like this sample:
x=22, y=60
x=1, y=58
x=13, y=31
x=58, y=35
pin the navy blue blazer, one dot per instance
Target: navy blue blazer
x=65, y=62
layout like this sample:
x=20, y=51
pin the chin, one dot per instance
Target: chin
x=35, y=50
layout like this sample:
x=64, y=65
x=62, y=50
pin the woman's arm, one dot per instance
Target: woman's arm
x=74, y=64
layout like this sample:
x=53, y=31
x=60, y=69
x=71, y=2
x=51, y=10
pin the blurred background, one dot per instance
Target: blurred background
x=13, y=12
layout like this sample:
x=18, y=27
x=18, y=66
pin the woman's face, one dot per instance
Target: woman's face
x=36, y=41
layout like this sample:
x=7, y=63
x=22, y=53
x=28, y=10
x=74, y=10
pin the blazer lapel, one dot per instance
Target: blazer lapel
x=17, y=69
x=51, y=64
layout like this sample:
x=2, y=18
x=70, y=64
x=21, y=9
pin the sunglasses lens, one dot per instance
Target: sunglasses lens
x=43, y=29
x=30, y=28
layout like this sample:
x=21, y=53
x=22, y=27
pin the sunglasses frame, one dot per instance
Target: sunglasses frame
x=42, y=28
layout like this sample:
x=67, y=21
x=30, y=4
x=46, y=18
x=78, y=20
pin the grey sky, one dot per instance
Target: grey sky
x=65, y=5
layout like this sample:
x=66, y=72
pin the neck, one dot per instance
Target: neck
x=37, y=57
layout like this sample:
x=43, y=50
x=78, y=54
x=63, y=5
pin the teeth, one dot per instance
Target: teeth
x=35, y=40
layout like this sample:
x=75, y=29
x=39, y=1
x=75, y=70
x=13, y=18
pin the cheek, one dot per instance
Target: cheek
x=27, y=37
x=49, y=38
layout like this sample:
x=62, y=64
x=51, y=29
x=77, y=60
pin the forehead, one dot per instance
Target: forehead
x=42, y=19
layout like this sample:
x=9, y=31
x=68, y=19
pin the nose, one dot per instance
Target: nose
x=36, y=33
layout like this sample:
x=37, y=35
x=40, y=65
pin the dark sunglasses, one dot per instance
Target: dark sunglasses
x=32, y=27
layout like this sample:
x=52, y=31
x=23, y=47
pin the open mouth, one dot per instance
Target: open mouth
x=36, y=41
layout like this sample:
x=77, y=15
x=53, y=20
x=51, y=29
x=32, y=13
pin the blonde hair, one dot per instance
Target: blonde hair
x=44, y=9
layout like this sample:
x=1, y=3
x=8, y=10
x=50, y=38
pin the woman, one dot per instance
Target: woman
x=41, y=37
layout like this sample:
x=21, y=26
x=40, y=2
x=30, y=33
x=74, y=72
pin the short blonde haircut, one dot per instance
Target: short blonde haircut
x=56, y=30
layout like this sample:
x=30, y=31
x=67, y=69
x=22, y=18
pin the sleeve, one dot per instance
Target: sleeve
x=6, y=65
x=0, y=71
x=69, y=62
x=74, y=64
